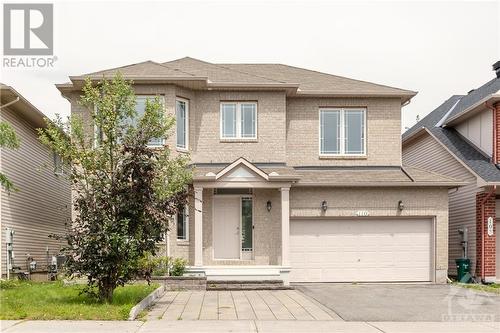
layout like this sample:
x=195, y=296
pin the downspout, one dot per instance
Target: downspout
x=492, y=192
x=494, y=112
x=7, y=261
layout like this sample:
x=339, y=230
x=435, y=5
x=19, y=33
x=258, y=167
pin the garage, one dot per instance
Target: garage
x=361, y=250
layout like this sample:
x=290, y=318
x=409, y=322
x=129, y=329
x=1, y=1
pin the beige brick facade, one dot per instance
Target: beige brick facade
x=271, y=128
x=381, y=202
x=342, y=202
x=383, y=131
x=266, y=238
x=288, y=129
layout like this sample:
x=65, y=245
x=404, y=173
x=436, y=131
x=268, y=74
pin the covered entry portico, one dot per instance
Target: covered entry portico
x=242, y=221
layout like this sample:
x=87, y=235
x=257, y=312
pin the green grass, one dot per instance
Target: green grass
x=491, y=288
x=53, y=300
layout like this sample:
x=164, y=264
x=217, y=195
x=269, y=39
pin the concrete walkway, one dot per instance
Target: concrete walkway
x=251, y=326
x=239, y=305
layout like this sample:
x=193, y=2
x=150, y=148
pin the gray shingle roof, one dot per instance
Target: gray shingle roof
x=215, y=73
x=314, y=81
x=144, y=69
x=388, y=176
x=340, y=176
x=475, y=96
x=460, y=147
x=300, y=81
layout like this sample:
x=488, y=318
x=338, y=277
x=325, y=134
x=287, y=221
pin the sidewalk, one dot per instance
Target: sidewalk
x=241, y=326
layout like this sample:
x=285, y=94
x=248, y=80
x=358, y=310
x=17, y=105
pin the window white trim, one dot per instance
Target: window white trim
x=238, y=135
x=186, y=225
x=342, y=132
x=186, y=134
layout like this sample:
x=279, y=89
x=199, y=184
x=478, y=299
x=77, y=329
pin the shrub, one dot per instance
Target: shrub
x=178, y=267
x=151, y=265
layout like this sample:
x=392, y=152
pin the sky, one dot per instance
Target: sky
x=436, y=48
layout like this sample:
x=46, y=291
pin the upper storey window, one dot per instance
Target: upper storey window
x=182, y=116
x=238, y=120
x=140, y=110
x=342, y=132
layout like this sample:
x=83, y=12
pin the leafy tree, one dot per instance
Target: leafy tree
x=8, y=139
x=124, y=191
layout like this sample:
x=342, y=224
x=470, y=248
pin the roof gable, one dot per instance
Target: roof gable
x=467, y=102
x=243, y=169
x=458, y=146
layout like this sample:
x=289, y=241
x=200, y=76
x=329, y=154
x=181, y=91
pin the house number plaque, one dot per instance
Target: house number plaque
x=362, y=213
x=490, y=226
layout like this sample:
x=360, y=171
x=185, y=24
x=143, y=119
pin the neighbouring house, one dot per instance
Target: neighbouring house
x=42, y=203
x=461, y=139
x=297, y=174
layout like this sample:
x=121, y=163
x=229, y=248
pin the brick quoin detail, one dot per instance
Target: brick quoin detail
x=489, y=241
x=496, y=114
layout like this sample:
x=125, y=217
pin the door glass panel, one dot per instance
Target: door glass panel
x=246, y=224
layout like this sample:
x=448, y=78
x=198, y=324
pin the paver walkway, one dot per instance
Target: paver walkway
x=239, y=305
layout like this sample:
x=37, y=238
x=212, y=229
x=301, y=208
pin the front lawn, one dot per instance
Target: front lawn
x=491, y=288
x=53, y=300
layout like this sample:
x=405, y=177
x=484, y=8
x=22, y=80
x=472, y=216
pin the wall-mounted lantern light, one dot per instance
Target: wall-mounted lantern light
x=269, y=205
x=324, y=205
x=401, y=206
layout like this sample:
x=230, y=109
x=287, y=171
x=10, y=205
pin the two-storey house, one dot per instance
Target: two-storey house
x=461, y=139
x=297, y=174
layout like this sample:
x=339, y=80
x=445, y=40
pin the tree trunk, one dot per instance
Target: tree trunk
x=106, y=291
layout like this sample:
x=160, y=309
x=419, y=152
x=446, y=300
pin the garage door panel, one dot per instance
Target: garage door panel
x=360, y=250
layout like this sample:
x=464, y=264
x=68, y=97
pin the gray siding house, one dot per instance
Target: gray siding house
x=461, y=139
x=297, y=174
x=42, y=204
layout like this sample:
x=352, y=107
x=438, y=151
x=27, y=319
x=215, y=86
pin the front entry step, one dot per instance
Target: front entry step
x=247, y=285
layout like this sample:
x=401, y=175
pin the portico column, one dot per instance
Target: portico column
x=285, y=226
x=198, y=226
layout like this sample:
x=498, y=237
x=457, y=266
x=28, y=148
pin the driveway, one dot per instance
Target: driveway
x=405, y=302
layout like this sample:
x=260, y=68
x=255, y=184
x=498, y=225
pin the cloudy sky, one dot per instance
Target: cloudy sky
x=435, y=48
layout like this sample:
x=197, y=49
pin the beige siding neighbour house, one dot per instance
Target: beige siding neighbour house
x=42, y=203
x=460, y=139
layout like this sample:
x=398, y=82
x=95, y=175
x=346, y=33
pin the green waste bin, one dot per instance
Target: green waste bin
x=463, y=270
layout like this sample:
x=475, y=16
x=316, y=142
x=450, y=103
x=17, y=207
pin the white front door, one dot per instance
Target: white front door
x=226, y=227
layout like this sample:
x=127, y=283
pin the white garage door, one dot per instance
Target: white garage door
x=361, y=250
